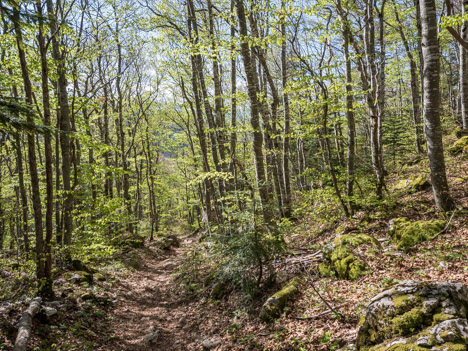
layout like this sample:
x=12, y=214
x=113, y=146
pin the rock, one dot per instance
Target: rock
x=80, y=277
x=283, y=276
x=80, y=266
x=100, y=277
x=406, y=234
x=167, y=242
x=274, y=306
x=413, y=184
x=218, y=290
x=49, y=311
x=340, y=260
x=417, y=316
x=151, y=337
x=87, y=296
x=209, y=344
x=460, y=146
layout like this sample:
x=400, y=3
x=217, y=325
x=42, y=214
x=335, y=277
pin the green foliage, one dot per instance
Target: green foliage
x=245, y=255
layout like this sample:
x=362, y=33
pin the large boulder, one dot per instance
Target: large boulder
x=414, y=184
x=340, y=259
x=406, y=234
x=460, y=146
x=416, y=316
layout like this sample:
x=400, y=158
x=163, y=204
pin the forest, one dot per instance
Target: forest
x=234, y=175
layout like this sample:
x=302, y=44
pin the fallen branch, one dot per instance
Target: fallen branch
x=320, y=314
x=25, y=325
x=332, y=309
x=443, y=230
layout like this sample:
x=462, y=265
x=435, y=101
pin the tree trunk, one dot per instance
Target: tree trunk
x=36, y=196
x=464, y=70
x=431, y=79
x=254, y=115
x=46, y=288
x=287, y=120
x=65, y=126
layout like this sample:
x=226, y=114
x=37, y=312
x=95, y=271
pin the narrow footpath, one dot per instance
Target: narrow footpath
x=149, y=313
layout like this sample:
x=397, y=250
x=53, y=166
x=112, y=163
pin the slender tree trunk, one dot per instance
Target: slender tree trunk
x=233, y=137
x=415, y=97
x=373, y=95
x=287, y=120
x=36, y=196
x=254, y=115
x=351, y=151
x=431, y=79
x=464, y=70
x=65, y=124
x=47, y=288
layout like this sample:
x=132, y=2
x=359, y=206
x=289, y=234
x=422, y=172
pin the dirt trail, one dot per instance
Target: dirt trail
x=147, y=301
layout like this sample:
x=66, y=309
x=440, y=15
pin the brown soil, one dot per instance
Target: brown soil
x=148, y=300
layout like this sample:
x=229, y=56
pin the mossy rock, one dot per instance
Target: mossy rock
x=460, y=146
x=132, y=259
x=275, y=305
x=100, y=277
x=80, y=266
x=165, y=243
x=406, y=234
x=129, y=242
x=340, y=260
x=356, y=240
x=416, y=315
x=79, y=277
x=218, y=290
x=414, y=184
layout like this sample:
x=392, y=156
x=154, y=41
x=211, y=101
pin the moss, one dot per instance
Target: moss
x=361, y=321
x=453, y=347
x=356, y=240
x=79, y=276
x=440, y=317
x=406, y=234
x=414, y=184
x=406, y=323
x=451, y=335
x=100, y=277
x=339, y=259
x=401, y=303
x=461, y=145
x=356, y=269
x=324, y=270
x=218, y=290
x=275, y=305
x=340, y=229
x=398, y=347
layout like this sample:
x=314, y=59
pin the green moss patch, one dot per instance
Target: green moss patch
x=414, y=184
x=341, y=261
x=356, y=240
x=275, y=305
x=460, y=146
x=406, y=234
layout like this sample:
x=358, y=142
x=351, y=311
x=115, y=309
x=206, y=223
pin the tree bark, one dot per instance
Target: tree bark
x=25, y=325
x=46, y=288
x=431, y=80
x=36, y=196
x=65, y=124
x=464, y=70
x=254, y=114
